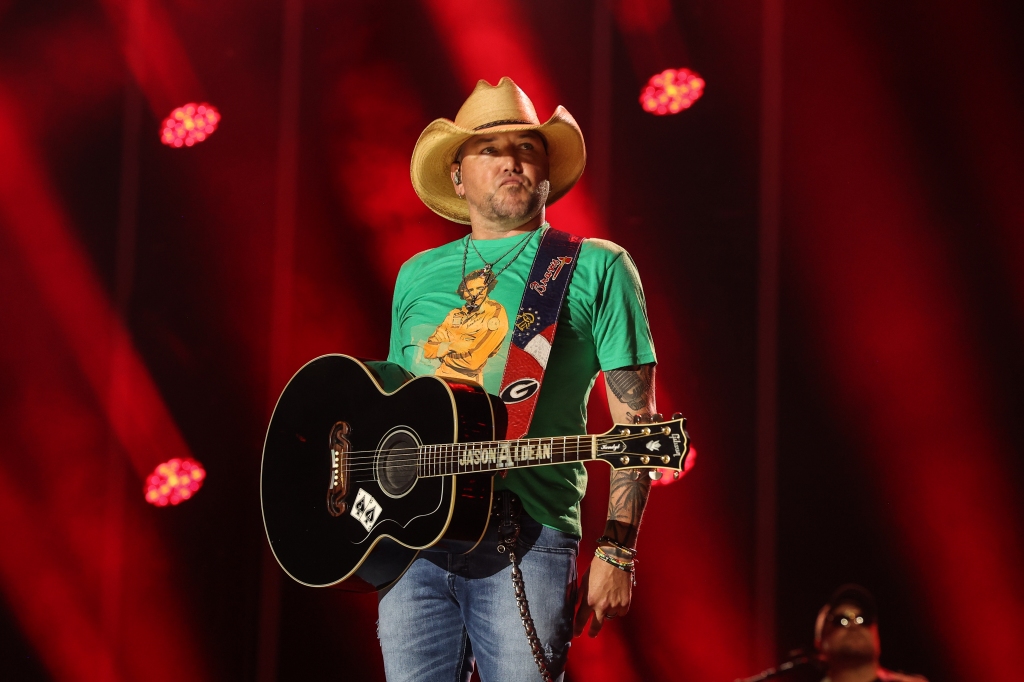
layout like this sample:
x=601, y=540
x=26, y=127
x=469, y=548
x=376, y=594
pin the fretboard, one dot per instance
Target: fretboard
x=447, y=459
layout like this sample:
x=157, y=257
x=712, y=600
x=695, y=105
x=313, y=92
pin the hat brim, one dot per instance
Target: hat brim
x=437, y=145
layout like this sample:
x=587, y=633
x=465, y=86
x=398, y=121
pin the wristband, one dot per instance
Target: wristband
x=605, y=540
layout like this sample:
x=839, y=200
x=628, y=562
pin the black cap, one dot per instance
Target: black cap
x=846, y=594
x=855, y=594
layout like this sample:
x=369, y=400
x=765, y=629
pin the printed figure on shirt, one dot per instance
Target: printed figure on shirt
x=472, y=334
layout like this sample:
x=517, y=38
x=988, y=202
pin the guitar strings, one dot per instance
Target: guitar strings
x=437, y=466
x=372, y=454
x=367, y=463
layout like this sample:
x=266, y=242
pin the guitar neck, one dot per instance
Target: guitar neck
x=447, y=459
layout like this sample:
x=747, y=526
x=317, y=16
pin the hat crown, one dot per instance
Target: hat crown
x=491, y=105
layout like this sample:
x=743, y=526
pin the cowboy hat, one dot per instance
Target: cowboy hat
x=494, y=108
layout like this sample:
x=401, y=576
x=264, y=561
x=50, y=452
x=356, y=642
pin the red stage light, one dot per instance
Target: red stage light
x=174, y=481
x=668, y=475
x=671, y=91
x=189, y=124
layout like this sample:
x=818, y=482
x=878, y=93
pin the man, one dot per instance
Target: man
x=846, y=636
x=496, y=168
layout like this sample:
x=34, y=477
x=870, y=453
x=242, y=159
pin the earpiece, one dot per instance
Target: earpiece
x=458, y=176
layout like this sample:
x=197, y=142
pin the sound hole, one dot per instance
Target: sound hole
x=396, y=463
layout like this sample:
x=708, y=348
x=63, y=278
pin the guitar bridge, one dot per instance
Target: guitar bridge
x=338, y=488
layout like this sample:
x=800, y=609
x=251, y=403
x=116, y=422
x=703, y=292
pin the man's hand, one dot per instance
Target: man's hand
x=605, y=592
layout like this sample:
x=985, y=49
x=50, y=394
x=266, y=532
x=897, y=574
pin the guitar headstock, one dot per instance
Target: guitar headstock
x=654, y=445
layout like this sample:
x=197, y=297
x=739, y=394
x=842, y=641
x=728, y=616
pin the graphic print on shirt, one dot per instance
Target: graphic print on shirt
x=472, y=334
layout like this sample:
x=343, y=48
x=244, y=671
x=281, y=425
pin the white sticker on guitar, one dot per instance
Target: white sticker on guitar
x=365, y=510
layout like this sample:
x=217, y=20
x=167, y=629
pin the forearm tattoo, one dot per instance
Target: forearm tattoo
x=632, y=387
x=627, y=498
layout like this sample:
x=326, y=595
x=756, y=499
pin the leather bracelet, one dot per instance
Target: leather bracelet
x=605, y=540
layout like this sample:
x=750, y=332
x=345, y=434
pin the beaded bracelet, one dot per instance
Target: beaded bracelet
x=605, y=540
x=622, y=565
x=627, y=566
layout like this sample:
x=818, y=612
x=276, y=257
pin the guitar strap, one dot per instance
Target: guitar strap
x=534, y=329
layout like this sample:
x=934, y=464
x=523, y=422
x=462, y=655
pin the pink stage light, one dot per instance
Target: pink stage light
x=671, y=91
x=187, y=125
x=174, y=481
x=668, y=475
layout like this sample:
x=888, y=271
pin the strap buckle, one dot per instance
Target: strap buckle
x=507, y=509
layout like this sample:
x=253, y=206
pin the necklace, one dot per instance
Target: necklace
x=521, y=245
x=488, y=269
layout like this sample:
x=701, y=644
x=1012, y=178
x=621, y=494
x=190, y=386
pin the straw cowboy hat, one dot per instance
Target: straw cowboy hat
x=492, y=108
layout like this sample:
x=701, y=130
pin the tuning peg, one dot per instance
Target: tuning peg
x=677, y=415
x=657, y=417
x=655, y=474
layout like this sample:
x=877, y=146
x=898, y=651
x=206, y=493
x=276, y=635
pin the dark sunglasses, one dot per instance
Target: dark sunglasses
x=843, y=620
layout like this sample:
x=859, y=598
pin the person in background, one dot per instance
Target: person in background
x=846, y=637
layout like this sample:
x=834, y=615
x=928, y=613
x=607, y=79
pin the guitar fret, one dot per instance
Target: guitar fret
x=448, y=459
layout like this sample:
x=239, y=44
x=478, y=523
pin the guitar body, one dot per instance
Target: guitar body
x=342, y=504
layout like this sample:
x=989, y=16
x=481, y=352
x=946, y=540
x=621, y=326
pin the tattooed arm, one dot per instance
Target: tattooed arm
x=606, y=590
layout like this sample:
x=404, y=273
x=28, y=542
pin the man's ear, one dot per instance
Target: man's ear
x=456, y=173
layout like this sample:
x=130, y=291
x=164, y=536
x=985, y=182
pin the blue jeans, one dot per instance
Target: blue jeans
x=451, y=611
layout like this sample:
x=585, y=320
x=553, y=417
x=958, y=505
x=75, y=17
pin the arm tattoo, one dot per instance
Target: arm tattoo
x=627, y=498
x=633, y=390
x=633, y=387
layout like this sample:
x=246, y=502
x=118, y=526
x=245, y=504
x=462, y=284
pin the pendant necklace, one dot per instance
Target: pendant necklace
x=488, y=270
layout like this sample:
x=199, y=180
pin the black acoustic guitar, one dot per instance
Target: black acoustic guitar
x=357, y=479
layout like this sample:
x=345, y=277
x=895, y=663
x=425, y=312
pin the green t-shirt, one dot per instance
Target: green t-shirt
x=602, y=326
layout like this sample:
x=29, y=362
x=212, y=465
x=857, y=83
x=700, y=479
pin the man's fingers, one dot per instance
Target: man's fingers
x=582, y=615
x=595, y=625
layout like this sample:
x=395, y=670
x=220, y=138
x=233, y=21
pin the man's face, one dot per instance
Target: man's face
x=852, y=643
x=505, y=175
x=476, y=292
